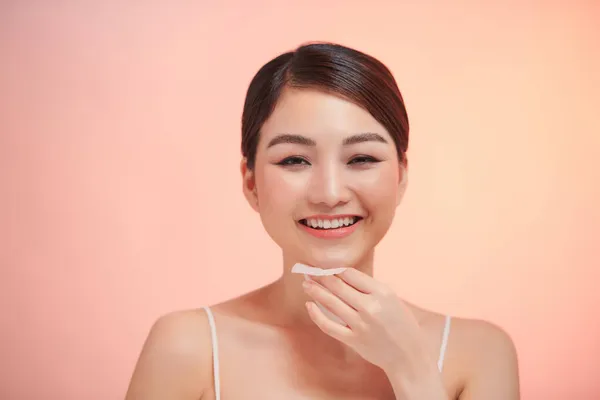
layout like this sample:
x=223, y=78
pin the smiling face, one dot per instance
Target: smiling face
x=326, y=181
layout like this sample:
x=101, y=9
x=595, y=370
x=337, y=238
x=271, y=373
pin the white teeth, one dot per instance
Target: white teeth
x=330, y=224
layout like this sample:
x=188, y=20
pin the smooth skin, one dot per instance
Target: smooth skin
x=320, y=154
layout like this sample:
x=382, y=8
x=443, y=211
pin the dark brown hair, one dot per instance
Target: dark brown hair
x=334, y=69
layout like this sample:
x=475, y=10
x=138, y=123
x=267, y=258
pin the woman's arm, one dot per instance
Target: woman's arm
x=173, y=362
x=425, y=384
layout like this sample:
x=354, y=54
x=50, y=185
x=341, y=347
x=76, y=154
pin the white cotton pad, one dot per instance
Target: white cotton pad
x=307, y=270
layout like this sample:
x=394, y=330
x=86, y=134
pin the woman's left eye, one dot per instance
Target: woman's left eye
x=363, y=160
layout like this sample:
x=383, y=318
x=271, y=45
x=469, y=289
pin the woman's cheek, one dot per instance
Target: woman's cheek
x=379, y=183
x=280, y=190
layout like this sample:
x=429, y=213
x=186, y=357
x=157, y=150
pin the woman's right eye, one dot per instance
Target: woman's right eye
x=293, y=161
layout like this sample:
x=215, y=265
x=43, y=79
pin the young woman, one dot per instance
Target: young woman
x=324, y=141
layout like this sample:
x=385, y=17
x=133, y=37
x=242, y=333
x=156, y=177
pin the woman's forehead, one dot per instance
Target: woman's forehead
x=316, y=113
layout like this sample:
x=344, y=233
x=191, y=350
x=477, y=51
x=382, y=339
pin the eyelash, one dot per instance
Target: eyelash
x=298, y=160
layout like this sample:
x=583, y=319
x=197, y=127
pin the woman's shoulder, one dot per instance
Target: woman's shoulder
x=470, y=339
x=183, y=333
x=481, y=344
x=176, y=358
x=480, y=356
x=484, y=355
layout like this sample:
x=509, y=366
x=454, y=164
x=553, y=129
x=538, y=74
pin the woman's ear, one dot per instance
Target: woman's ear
x=403, y=181
x=249, y=184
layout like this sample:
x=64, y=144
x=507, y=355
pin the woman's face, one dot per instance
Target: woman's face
x=326, y=181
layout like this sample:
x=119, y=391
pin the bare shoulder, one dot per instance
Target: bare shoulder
x=486, y=358
x=175, y=361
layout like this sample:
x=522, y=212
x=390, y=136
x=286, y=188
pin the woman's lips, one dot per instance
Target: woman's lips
x=331, y=233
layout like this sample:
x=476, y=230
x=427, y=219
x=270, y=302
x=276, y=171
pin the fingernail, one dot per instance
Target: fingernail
x=306, y=284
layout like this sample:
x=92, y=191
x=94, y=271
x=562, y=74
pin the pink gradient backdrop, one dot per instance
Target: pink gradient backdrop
x=121, y=199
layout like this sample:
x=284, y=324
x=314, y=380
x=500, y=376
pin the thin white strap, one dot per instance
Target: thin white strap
x=444, y=343
x=215, y=351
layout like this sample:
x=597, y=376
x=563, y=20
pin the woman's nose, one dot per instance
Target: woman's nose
x=328, y=186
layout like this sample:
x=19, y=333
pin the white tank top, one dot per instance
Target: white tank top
x=215, y=349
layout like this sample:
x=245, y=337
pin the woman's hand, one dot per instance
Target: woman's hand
x=380, y=328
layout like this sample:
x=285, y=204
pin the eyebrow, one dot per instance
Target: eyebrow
x=303, y=140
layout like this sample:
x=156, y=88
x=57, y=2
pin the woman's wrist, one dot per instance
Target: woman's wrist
x=421, y=381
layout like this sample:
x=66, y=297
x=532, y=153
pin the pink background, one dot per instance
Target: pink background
x=121, y=198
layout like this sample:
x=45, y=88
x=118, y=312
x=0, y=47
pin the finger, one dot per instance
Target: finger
x=360, y=281
x=333, y=329
x=348, y=294
x=330, y=301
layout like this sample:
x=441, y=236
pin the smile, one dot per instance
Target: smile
x=335, y=223
x=325, y=227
